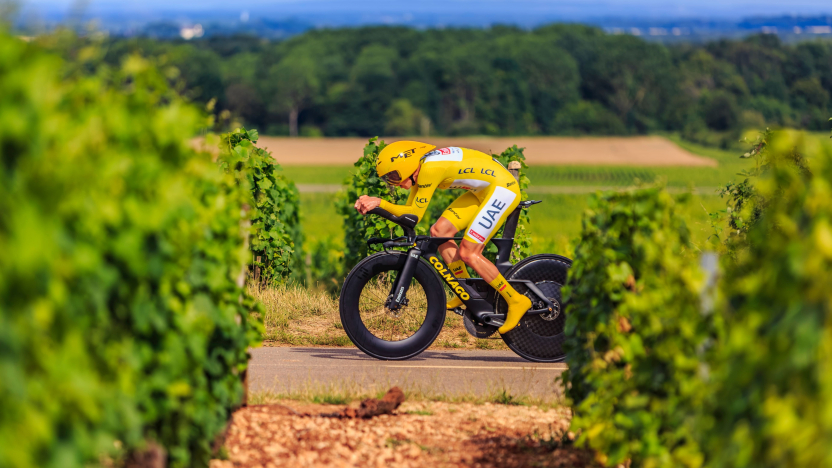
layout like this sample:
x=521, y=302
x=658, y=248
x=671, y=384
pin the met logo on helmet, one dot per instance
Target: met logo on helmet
x=404, y=154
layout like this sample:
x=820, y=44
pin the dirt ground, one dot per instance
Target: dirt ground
x=624, y=151
x=418, y=434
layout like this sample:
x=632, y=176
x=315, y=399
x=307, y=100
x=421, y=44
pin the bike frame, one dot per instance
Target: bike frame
x=479, y=308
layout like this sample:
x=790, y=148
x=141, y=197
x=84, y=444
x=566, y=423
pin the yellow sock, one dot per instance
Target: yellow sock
x=460, y=270
x=518, y=304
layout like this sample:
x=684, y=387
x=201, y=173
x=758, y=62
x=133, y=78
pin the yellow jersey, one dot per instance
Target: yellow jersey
x=492, y=192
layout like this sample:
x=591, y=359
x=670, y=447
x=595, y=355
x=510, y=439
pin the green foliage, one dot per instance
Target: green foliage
x=744, y=204
x=293, y=83
x=771, y=402
x=587, y=118
x=557, y=79
x=635, y=332
x=274, y=204
x=404, y=119
x=719, y=110
x=326, y=264
x=121, y=319
x=365, y=181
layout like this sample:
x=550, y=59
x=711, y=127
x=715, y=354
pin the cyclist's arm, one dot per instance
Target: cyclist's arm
x=417, y=202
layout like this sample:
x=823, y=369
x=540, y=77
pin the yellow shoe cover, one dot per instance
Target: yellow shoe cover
x=454, y=303
x=516, y=310
x=518, y=304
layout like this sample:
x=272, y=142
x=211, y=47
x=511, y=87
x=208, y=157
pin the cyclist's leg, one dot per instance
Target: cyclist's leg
x=455, y=218
x=499, y=203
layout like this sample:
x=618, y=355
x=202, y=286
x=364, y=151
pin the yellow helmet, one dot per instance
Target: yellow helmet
x=399, y=160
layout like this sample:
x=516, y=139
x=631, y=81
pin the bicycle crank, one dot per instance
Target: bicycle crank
x=476, y=330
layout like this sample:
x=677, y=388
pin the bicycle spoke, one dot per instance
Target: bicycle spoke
x=383, y=312
x=375, y=294
x=384, y=323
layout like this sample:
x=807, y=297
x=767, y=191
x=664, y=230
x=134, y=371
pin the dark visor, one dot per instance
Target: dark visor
x=392, y=177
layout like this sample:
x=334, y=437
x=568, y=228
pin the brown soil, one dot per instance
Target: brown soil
x=418, y=434
x=627, y=151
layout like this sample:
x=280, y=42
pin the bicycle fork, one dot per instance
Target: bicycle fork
x=398, y=295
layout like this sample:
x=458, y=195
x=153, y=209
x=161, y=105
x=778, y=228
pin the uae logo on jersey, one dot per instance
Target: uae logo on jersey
x=489, y=216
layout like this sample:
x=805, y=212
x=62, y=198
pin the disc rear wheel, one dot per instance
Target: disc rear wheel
x=539, y=337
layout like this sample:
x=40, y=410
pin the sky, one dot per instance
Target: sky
x=566, y=9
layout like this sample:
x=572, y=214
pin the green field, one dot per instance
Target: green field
x=555, y=223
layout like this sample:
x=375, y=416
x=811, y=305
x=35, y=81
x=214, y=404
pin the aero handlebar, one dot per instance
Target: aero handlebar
x=407, y=222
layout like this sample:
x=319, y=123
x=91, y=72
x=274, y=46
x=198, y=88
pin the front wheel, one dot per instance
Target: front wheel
x=372, y=326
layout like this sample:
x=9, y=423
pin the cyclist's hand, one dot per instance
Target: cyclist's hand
x=366, y=203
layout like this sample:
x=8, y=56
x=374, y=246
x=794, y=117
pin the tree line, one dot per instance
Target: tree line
x=555, y=80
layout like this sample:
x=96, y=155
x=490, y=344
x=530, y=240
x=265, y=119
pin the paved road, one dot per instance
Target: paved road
x=451, y=373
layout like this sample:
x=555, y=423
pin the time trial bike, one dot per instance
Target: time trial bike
x=393, y=303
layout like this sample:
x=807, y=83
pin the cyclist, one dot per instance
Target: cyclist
x=491, y=195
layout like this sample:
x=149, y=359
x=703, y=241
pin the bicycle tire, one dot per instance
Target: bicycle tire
x=534, y=338
x=349, y=306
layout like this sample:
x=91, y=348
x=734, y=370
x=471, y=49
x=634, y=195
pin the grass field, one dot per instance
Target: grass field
x=555, y=223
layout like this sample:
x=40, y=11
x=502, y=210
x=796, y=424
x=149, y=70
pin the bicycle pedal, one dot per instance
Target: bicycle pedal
x=459, y=311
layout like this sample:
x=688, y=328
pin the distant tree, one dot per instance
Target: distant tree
x=402, y=118
x=372, y=88
x=719, y=109
x=550, y=72
x=294, y=83
x=467, y=71
x=499, y=80
x=200, y=71
x=701, y=72
x=631, y=76
x=586, y=118
x=245, y=102
x=808, y=92
x=759, y=59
